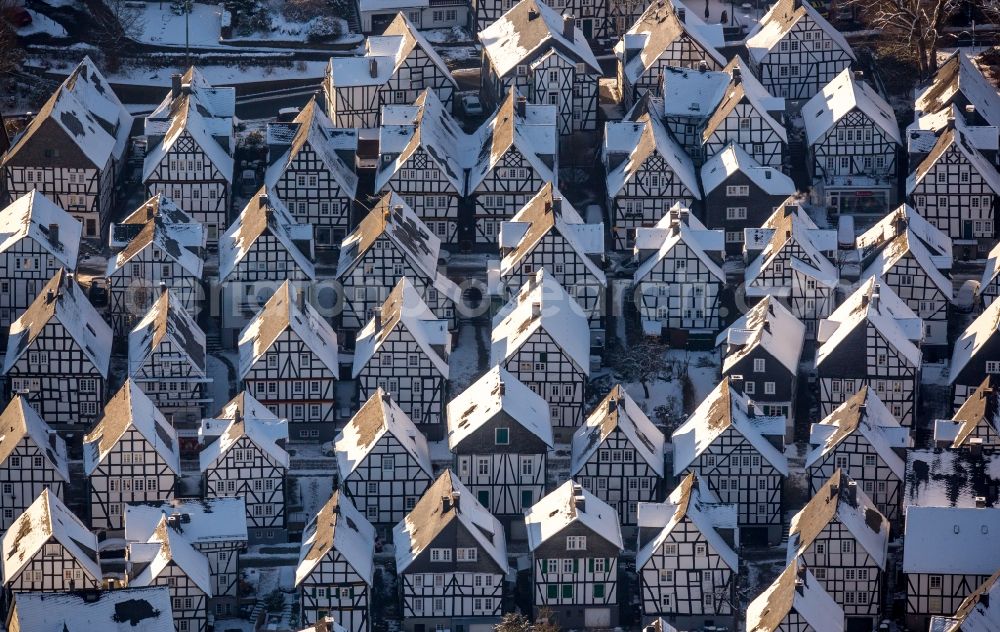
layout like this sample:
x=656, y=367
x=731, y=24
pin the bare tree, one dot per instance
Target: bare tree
x=643, y=362
x=117, y=26
x=916, y=24
x=11, y=53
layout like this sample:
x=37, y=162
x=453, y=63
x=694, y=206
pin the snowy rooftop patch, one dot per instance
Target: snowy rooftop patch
x=951, y=540
x=36, y=216
x=569, y=504
x=160, y=223
x=167, y=321
x=795, y=590
x=627, y=145
x=950, y=478
x=844, y=94
x=733, y=159
x=678, y=227
x=169, y=545
x=242, y=417
x=18, y=422
x=769, y=326
x=955, y=137
x=265, y=214
x=495, y=392
x=201, y=521
x=974, y=339
x=960, y=75
x=339, y=527
x=618, y=411
x=379, y=417
x=121, y=610
x=187, y=120
x=782, y=18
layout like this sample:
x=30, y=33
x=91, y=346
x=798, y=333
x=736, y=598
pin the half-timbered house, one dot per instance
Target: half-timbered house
x=87, y=610
x=383, y=463
x=289, y=363
x=451, y=560
x=549, y=233
x=949, y=553
x=665, y=35
x=976, y=354
x=310, y=176
x=853, y=140
x=168, y=361
x=49, y=549
x=912, y=257
x=646, y=172
x=686, y=558
x=725, y=178
x=541, y=337
x=375, y=15
x=500, y=433
x=795, y=51
x=976, y=422
x=761, y=353
x=876, y=326
x=131, y=455
x=989, y=285
x=426, y=157
x=975, y=612
x=215, y=527
x=955, y=187
x=396, y=67
x=191, y=138
x=390, y=243
x=679, y=281
x=862, y=440
x=245, y=457
x=618, y=455
x=795, y=602
x=843, y=539
x=58, y=354
x=737, y=452
x=336, y=564
x=545, y=56
x=158, y=246
x=263, y=248
x=789, y=257
x=32, y=458
x=168, y=559
x=575, y=540
x=39, y=238
x=958, y=82
x=73, y=150
x=404, y=351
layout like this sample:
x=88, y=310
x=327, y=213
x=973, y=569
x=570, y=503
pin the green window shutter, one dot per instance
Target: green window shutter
x=576, y=565
x=567, y=591
x=590, y=564
x=552, y=591
x=607, y=564
x=598, y=591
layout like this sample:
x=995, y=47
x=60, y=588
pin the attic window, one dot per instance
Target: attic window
x=522, y=69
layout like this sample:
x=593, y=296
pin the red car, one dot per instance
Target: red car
x=17, y=16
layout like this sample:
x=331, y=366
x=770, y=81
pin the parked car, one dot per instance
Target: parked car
x=471, y=105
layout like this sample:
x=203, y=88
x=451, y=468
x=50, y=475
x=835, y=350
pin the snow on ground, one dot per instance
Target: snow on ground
x=285, y=30
x=464, y=361
x=448, y=35
x=162, y=27
x=934, y=373
x=458, y=54
x=661, y=393
x=223, y=75
x=314, y=491
x=42, y=24
x=219, y=387
x=703, y=368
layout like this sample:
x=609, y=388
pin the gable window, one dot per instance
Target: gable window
x=388, y=463
x=576, y=542
x=440, y=555
x=758, y=365
x=501, y=436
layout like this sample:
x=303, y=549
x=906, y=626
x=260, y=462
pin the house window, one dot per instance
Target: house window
x=388, y=463
x=700, y=549
x=502, y=436
x=934, y=581
x=666, y=576
x=576, y=542
x=758, y=365
x=769, y=388
x=467, y=554
x=846, y=546
x=440, y=555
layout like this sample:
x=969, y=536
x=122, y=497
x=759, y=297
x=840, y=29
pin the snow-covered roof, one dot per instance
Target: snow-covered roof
x=528, y=127
x=691, y=94
x=656, y=30
x=769, y=326
x=992, y=268
x=782, y=18
x=314, y=131
x=525, y=30
x=985, y=328
x=244, y=416
x=722, y=409
x=979, y=612
x=618, y=411
x=840, y=499
x=494, y=392
x=906, y=219
x=47, y=519
x=404, y=306
x=265, y=214
x=65, y=301
x=797, y=591
x=980, y=410
x=542, y=304
x=160, y=222
x=734, y=158
x=951, y=540
x=695, y=501
x=85, y=107
x=202, y=521
x=167, y=321
x=743, y=86
x=864, y=412
x=788, y=224
x=627, y=145
x=121, y=610
x=188, y=118
x=674, y=228
x=340, y=527
x=379, y=417
x=34, y=215
x=445, y=502
x=959, y=74
x=130, y=408
x=20, y=421
x=891, y=252
x=280, y=313
x=844, y=94
x=571, y=504
x=955, y=136
x=937, y=477
x=393, y=219
x=171, y=546
x=876, y=303
x=545, y=212
x=216, y=103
